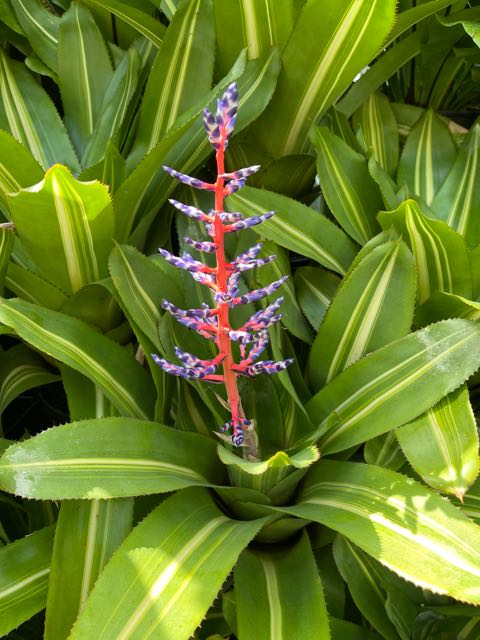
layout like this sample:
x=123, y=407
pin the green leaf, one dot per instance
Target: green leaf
x=270, y=606
x=441, y=256
x=181, y=74
x=131, y=15
x=74, y=343
x=40, y=26
x=87, y=534
x=84, y=72
x=377, y=126
x=399, y=522
x=401, y=381
x=319, y=63
x=28, y=113
x=344, y=630
x=296, y=227
x=108, y=458
x=166, y=574
x=358, y=571
x=410, y=17
x=427, y=157
x=442, y=444
x=7, y=240
x=315, y=290
x=459, y=196
x=25, y=567
x=349, y=190
x=384, y=451
x=69, y=235
x=31, y=287
x=373, y=307
x=441, y=306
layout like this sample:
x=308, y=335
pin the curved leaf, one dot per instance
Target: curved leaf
x=315, y=290
x=108, y=458
x=139, y=20
x=40, y=26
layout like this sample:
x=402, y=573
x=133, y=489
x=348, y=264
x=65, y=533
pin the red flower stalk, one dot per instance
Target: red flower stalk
x=214, y=323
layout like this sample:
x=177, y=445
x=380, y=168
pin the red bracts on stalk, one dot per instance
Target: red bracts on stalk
x=214, y=323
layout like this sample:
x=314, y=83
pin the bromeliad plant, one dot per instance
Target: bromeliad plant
x=223, y=281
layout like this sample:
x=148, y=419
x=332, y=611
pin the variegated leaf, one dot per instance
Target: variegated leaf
x=441, y=306
x=441, y=255
x=269, y=604
x=373, y=306
x=315, y=290
x=40, y=26
x=398, y=521
x=164, y=577
x=18, y=168
x=66, y=226
x=152, y=29
x=31, y=287
x=7, y=241
x=401, y=381
x=384, y=451
x=442, y=444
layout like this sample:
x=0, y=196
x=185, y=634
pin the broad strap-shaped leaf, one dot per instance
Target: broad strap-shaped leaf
x=28, y=113
x=350, y=192
x=86, y=535
x=318, y=65
x=84, y=72
x=358, y=571
x=181, y=74
x=166, y=574
x=76, y=344
x=297, y=227
x=315, y=290
x=7, y=241
x=114, y=107
x=31, y=287
x=441, y=306
x=410, y=17
x=111, y=170
x=270, y=604
x=394, y=384
x=108, y=458
x=442, y=444
x=344, y=630
x=427, y=157
x=40, y=26
x=398, y=521
x=18, y=168
x=373, y=307
x=24, y=572
x=384, y=451
x=146, y=25
x=21, y=369
x=459, y=196
x=440, y=253
x=378, y=129
x=66, y=226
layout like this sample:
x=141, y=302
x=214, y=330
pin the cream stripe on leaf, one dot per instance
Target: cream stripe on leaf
x=40, y=26
x=270, y=606
x=315, y=289
x=401, y=380
x=18, y=168
x=404, y=525
x=373, y=307
x=140, y=458
x=164, y=577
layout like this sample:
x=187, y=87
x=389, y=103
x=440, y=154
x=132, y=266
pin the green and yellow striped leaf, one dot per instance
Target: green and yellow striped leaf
x=27, y=112
x=373, y=307
x=31, y=287
x=152, y=29
x=384, y=451
x=399, y=522
x=84, y=72
x=318, y=65
x=18, y=168
x=164, y=577
x=441, y=306
x=344, y=630
x=459, y=196
x=427, y=157
x=181, y=74
x=395, y=384
x=315, y=289
x=86, y=535
x=108, y=458
x=7, y=241
x=110, y=171
x=40, y=26
x=442, y=444
x=270, y=604
x=76, y=344
x=169, y=7
x=296, y=227
x=440, y=253
x=24, y=572
x=378, y=129
x=350, y=192
x=66, y=226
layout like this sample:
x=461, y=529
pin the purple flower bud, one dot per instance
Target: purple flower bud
x=241, y=174
x=249, y=254
x=266, y=366
x=191, y=212
x=230, y=217
x=184, y=262
x=250, y=222
x=205, y=247
x=237, y=426
x=254, y=264
x=233, y=186
x=192, y=182
x=190, y=373
x=256, y=294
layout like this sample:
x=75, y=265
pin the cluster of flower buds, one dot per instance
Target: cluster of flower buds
x=224, y=280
